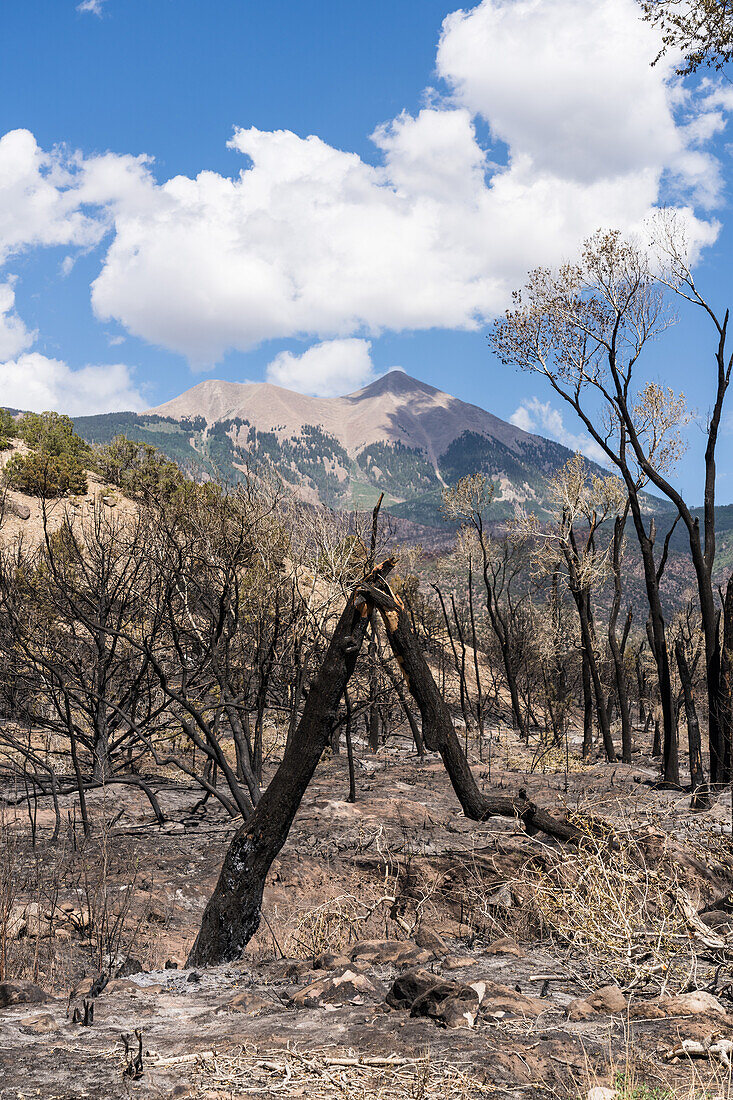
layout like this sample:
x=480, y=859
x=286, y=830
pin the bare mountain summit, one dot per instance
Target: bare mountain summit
x=398, y=435
x=394, y=409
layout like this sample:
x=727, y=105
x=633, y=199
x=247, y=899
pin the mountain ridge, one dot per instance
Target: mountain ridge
x=397, y=435
x=355, y=419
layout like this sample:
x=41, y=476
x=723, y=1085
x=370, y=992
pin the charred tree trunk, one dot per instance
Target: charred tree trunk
x=588, y=640
x=697, y=776
x=725, y=712
x=440, y=736
x=232, y=915
x=617, y=647
x=587, y=707
x=350, y=748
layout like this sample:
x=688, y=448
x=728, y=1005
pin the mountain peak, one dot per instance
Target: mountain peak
x=394, y=381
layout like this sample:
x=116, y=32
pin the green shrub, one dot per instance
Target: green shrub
x=45, y=475
x=138, y=469
x=53, y=434
x=8, y=429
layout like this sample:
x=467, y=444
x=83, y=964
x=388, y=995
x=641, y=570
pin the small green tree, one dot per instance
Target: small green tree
x=139, y=469
x=45, y=475
x=52, y=433
x=8, y=429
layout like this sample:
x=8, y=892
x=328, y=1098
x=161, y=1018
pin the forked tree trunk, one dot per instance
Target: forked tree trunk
x=232, y=915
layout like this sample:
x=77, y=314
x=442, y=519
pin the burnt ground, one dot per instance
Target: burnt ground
x=305, y=1012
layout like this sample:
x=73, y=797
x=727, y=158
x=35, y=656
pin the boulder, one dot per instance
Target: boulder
x=501, y=898
x=246, y=1002
x=390, y=952
x=608, y=1000
x=449, y=1004
x=290, y=970
x=458, y=962
x=127, y=967
x=16, y=993
x=122, y=985
x=720, y=921
x=580, y=1010
x=16, y=925
x=348, y=987
x=430, y=941
x=505, y=946
x=39, y=1025
x=504, y=999
x=697, y=1003
x=329, y=961
x=409, y=986
x=22, y=511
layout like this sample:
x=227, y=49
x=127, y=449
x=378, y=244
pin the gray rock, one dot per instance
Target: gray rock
x=16, y=993
x=449, y=1004
x=349, y=987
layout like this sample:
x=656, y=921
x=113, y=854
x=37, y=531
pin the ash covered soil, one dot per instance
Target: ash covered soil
x=404, y=951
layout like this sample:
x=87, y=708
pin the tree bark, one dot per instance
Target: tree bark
x=616, y=647
x=725, y=713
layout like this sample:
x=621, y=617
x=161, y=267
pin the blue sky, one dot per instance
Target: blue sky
x=450, y=152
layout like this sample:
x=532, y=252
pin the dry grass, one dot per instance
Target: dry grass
x=638, y=1077
x=630, y=922
x=71, y=908
x=360, y=911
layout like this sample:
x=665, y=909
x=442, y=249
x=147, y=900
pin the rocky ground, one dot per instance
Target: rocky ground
x=405, y=951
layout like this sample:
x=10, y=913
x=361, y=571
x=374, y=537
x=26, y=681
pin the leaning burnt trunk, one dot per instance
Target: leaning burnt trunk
x=232, y=915
x=440, y=736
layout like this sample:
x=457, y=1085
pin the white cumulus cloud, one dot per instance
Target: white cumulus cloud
x=565, y=83
x=329, y=369
x=92, y=6
x=14, y=336
x=34, y=382
x=313, y=241
x=30, y=380
x=39, y=199
x=310, y=241
x=543, y=419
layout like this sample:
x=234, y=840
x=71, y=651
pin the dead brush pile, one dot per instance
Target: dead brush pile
x=331, y=1073
x=608, y=910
